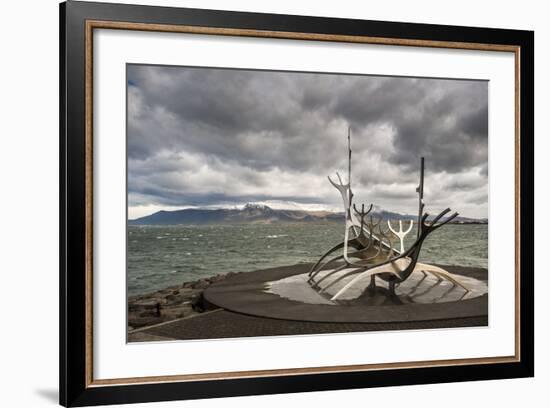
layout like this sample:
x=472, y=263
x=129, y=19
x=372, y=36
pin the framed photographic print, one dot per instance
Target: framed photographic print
x=256, y=203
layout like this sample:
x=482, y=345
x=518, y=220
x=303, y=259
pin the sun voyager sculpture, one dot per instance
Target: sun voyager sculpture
x=367, y=260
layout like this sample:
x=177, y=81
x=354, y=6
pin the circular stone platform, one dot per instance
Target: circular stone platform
x=251, y=293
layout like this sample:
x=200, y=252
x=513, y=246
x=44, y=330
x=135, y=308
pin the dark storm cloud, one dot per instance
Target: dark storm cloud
x=201, y=136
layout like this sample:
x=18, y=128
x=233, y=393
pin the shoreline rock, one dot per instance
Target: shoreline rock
x=170, y=303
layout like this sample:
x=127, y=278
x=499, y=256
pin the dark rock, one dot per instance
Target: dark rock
x=217, y=278
x=197, y=303
x=133, y=307
x=202, y=284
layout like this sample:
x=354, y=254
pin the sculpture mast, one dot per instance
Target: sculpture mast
x=349, y=166
x=420, y=191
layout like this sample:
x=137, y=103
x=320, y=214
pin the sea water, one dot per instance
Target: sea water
x=161, y=256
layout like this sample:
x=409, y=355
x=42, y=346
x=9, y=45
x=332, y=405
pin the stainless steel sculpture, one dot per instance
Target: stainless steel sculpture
x=374, y=255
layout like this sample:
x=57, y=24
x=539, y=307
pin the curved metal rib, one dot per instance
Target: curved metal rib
x=340, y=268
x=315, y=269
x=383, y=237
x=366, y=274
x=335, y=281
x=331, y=250
x=360, y=265
x=356, y=254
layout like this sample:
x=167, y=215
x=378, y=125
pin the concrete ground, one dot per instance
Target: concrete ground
x=220, y=323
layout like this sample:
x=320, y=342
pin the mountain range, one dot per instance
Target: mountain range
x=259, y=213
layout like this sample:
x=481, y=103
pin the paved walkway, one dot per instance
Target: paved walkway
x=220, y=323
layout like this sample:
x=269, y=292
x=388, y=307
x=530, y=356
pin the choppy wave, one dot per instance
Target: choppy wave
x=163, y=256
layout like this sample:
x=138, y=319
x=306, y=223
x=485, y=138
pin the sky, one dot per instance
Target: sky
x=212, y=138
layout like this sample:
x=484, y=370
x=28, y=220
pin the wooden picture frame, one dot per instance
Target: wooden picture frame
x=78, y=20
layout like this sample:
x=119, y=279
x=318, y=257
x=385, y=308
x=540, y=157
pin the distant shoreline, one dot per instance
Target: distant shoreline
x=251, y=213
x=259, y=222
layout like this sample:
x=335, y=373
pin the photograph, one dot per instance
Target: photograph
x=282, y=203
